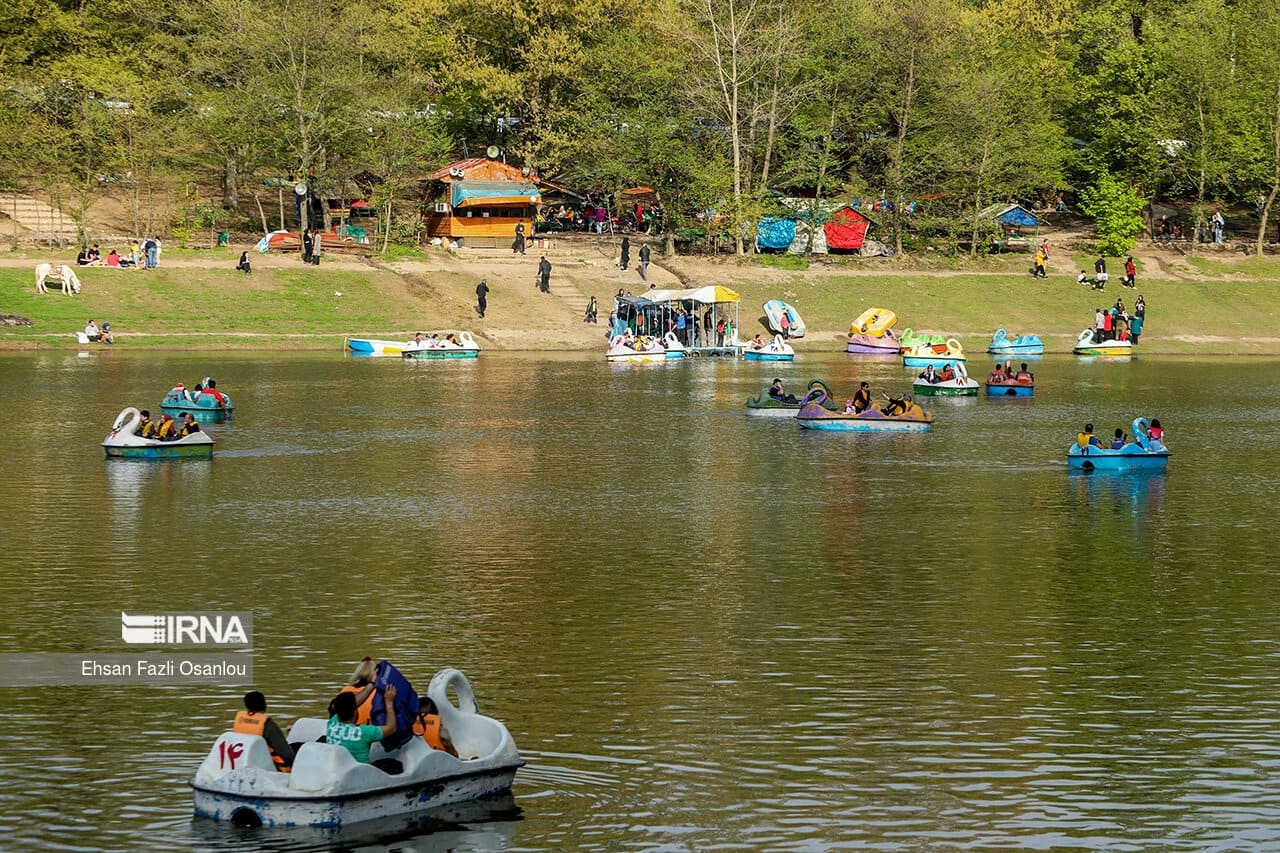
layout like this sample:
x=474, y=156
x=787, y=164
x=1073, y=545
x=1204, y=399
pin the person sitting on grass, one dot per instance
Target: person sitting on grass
x=244, y=266
x=107, y=336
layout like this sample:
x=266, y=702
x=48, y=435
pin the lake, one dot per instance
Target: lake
x=703, y=630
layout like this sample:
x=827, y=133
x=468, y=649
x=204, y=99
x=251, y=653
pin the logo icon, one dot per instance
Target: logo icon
x=183, y=629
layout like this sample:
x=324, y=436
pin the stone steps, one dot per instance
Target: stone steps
x=41, y=219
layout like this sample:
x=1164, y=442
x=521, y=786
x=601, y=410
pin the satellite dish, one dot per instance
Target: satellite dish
x=492, y=151
x=300, y=188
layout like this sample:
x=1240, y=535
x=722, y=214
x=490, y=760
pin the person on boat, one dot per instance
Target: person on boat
x=107, y=336
x=168, y=430
x=1119, y=441
x=361, y=685
x=181, y=390
x=756, y=342
x=862, y=398
x=930, y=375
x=91, y=331
x=189, y=425
x=211, y=387
x=997, y=375
x=848, y=407
x=776, y=392
x=254, y=720
x=452, y=339
x=344, y=731
x=146, y=427
x=948, y=373
x=1025, y=375
x=427, y=726
x=1086, y=438
x=1008, y=371
x=1155, y=430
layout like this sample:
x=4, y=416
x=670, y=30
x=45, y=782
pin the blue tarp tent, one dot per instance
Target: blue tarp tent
x=467, y=193
x=775, y=233
x=1012, y=215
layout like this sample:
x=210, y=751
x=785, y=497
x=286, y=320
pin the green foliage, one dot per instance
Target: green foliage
x=1117, y=206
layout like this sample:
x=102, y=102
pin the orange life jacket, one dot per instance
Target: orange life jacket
x=363, y=712
x=427, y=726
x=248, y=723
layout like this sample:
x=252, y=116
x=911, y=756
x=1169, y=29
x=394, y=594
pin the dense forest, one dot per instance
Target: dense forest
x=937, y=107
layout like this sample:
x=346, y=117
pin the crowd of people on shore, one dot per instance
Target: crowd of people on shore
x=138, y=255
x=596, y=218
x=1117, y=324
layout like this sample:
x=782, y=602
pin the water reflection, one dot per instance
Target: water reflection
x=702, y=629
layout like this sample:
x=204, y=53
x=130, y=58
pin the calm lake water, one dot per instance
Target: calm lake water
x=703, y=630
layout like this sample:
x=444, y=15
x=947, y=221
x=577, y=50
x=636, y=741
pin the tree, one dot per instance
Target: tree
x=1117, y=206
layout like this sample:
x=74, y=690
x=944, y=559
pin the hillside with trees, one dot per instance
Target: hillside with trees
x=938, y=108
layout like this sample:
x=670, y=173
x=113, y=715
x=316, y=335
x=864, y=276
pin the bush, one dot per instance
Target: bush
x=1116, y=206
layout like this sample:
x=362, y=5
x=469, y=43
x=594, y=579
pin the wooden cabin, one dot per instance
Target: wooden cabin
x=480, y=201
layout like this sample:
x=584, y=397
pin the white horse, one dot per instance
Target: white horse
x=61, y=272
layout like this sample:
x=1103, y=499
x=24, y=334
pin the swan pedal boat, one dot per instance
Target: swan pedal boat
x=1022, y=384
x=672, y=345
x=122, y=443
x=773, y=311
x=466, y=347
x=960, y=386
x=1145, y=453
x=776, y=350
x=939, y=355
x=373, y=346
x=813, y=415
x=642, y=350
x=200, y=402
x=871, y=333
x=1085, y=345
x=329, y=788
x=909, y=339
x=1002, y=344
x=762, y=405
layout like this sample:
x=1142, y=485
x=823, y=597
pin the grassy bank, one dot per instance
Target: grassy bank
x=1207, y=305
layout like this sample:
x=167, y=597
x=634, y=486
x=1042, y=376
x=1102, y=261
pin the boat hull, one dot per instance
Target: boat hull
x=863, y=348
x=334, y=811
x=373, y=346
x=1010, y=390
x=163, y=451
x=863, y=425
x=935, y=360
x=440, y=353
x=1113, y=349
x=1011, y=349
x=759, y=355
x=929, y=389
x=1102, y=460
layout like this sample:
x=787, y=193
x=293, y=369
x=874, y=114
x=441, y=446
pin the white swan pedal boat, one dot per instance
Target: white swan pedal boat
x=776, y=350
x=122, y=442
x=329, y=788
x=641, y=350
x=464, y=346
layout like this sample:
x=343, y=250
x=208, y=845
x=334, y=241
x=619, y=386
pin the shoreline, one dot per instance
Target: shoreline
x=196, y=301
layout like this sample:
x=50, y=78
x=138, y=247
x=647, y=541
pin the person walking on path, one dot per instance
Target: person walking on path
x=316, y=239
x=1041, y=257
x=625, y=258
x=517, y=246
x=1217, y=224
x=1130, y=273
x=544, y=275
x=644, y=262
x=600, y=217
x=482, y=302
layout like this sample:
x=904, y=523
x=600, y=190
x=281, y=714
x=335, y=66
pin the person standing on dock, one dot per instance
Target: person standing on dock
x=482, y=302
x=544, y=275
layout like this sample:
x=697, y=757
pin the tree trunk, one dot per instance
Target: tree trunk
x=230, y=186
x=1275, y=181
x=262, y=213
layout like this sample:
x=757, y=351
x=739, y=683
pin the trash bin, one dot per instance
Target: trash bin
x=224, y=238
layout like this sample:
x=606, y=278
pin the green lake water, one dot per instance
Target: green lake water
x=704, y=631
